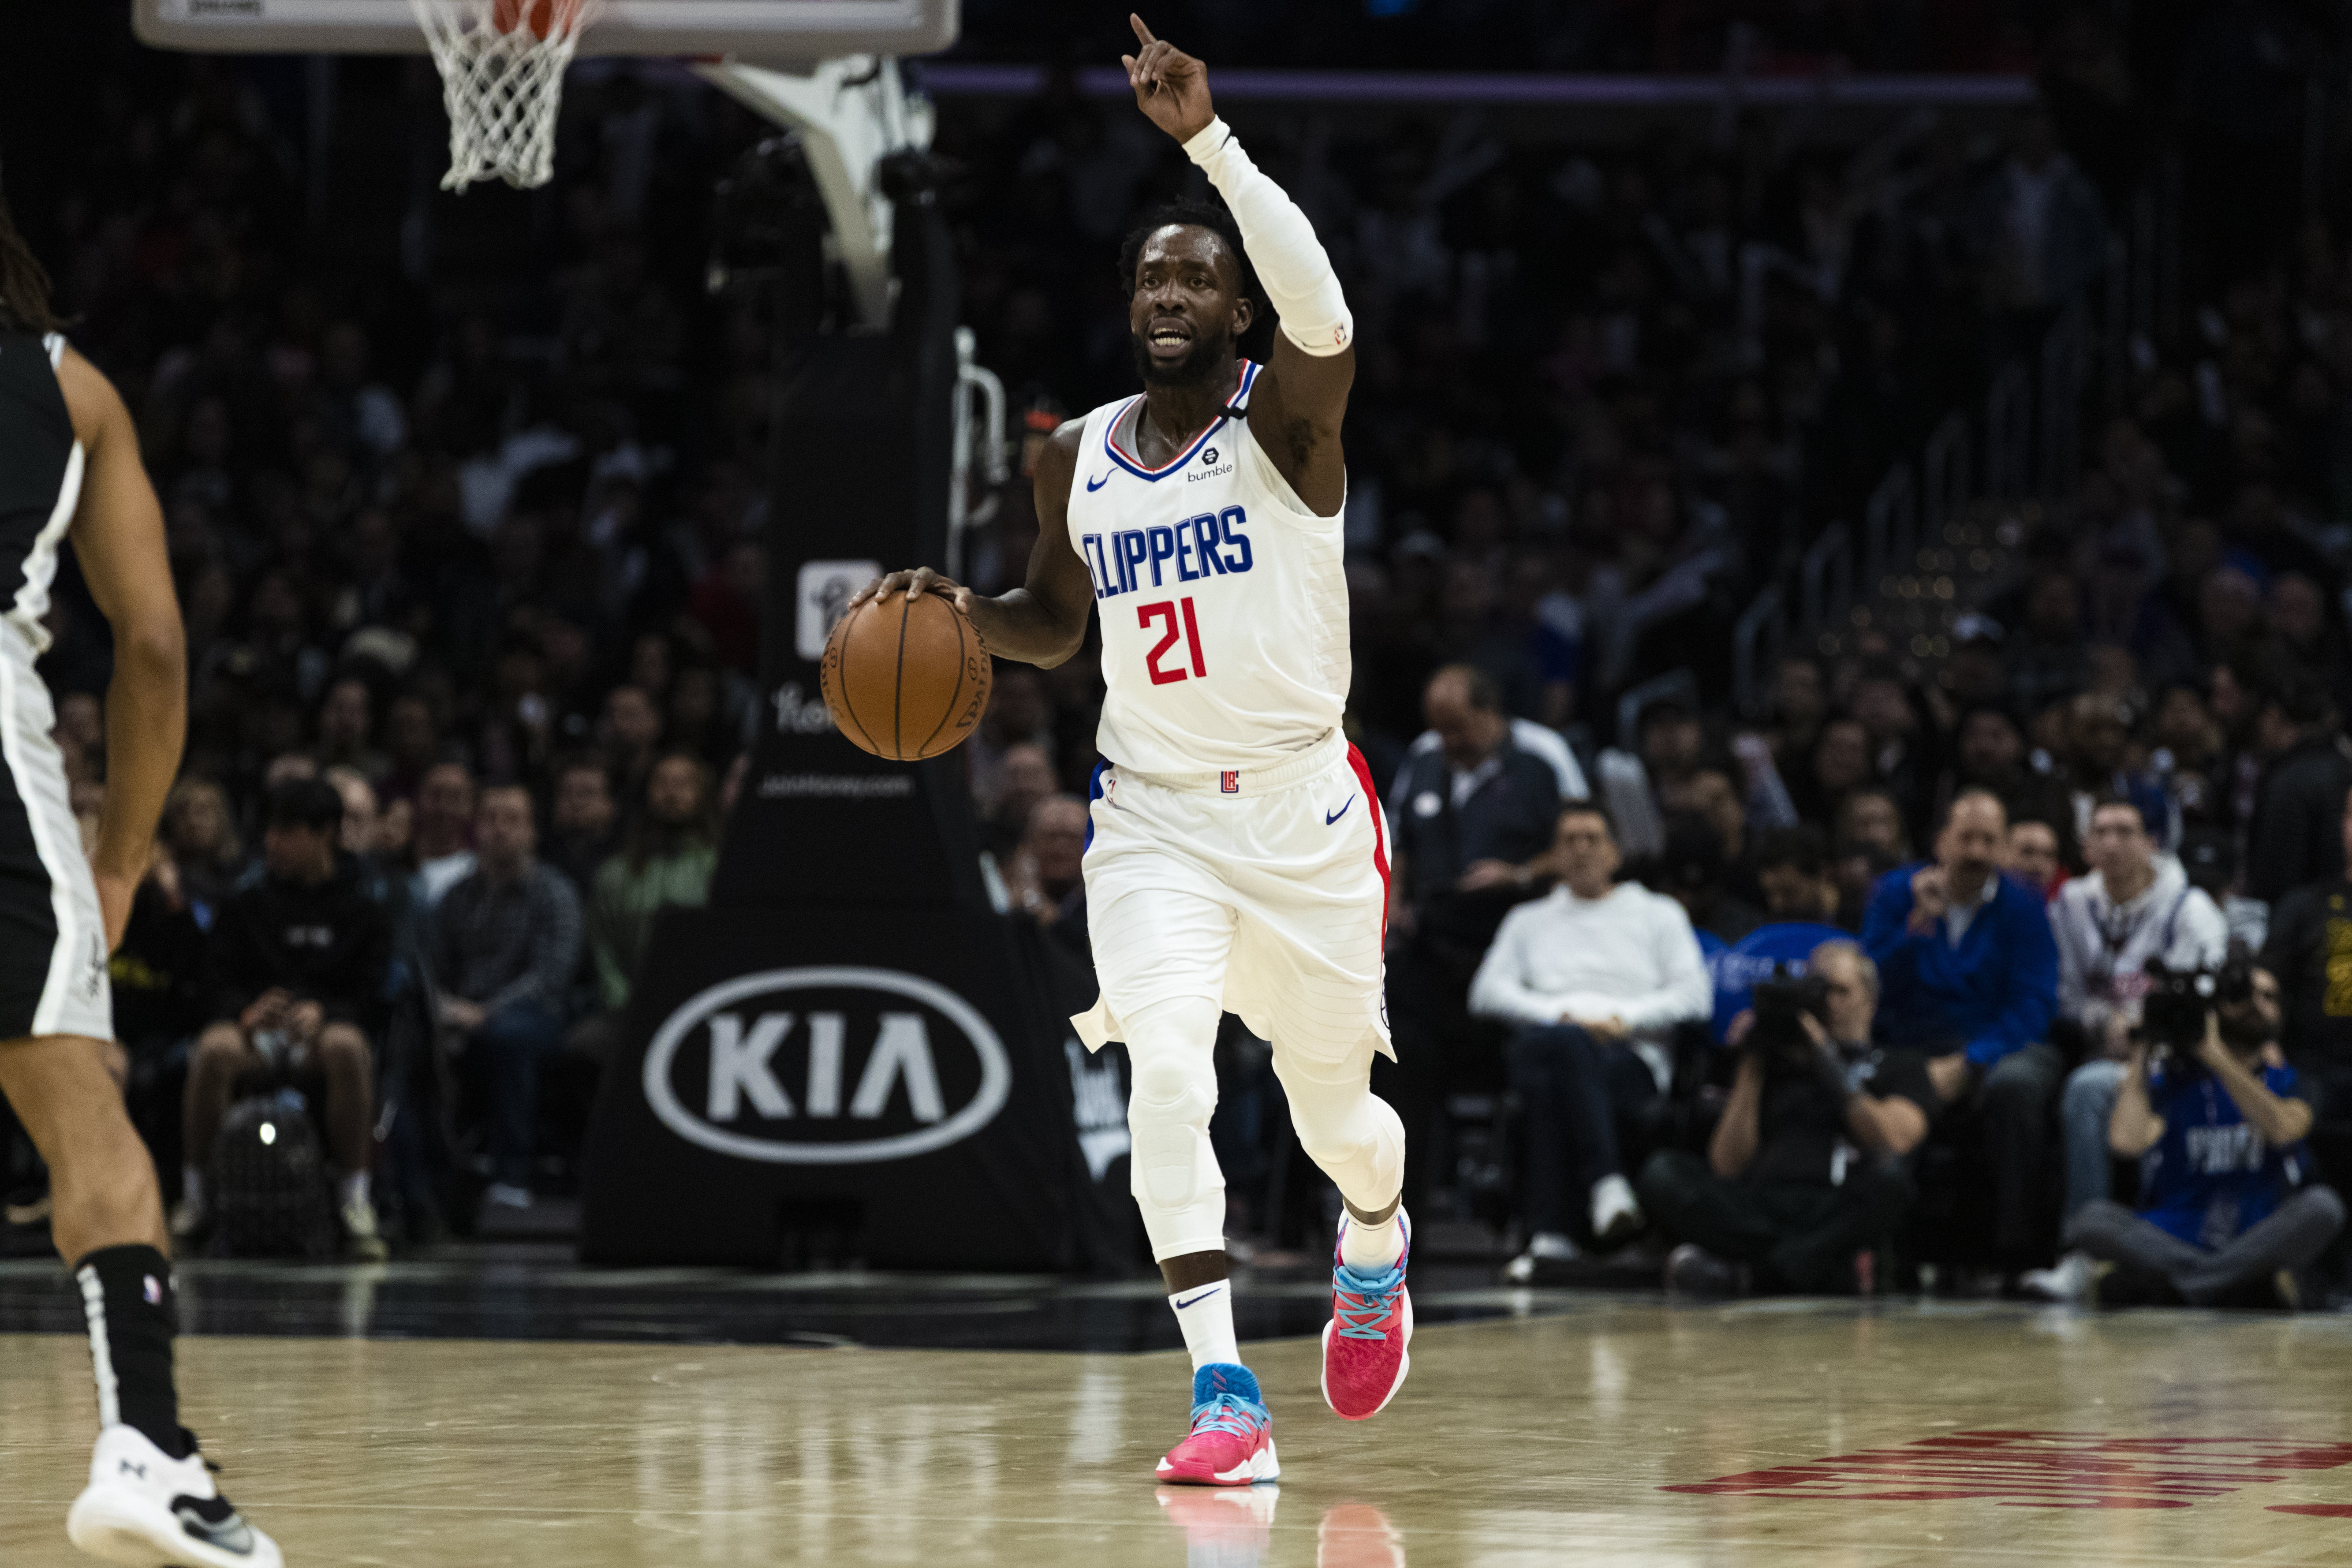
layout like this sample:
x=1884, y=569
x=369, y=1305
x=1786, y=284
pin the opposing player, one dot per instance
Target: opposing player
x=69, y=467
x=1237, y=858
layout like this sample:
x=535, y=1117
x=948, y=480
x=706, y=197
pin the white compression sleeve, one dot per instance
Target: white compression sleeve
x=1282, y=246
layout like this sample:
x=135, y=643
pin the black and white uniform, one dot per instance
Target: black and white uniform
x=52, y=938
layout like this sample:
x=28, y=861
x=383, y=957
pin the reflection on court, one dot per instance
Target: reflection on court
x=1623, y=1433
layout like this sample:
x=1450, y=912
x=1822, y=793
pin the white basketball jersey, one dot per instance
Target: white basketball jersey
x=1224, y=600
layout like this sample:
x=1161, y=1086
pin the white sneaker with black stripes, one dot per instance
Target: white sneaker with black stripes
x=146, y=1510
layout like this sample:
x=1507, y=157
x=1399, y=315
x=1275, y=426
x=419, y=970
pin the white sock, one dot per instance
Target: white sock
x=1370, y=1248
x=1205, y=1313
x=191, y=1185
x=347, y=1188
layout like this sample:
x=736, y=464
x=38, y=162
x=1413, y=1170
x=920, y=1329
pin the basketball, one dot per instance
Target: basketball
x=539, y=15
x=906, y=678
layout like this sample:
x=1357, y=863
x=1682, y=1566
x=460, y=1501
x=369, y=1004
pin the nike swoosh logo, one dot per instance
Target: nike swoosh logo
x=1202, y=1296
x=1339, y=814
x=1094, y=484
x=231, y=1535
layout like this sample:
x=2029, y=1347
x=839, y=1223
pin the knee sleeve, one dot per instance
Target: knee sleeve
x=1174, y=1176
x=1352, y=1133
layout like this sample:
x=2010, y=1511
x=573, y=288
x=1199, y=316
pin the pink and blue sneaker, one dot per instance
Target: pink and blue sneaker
x=1364, y=1359
x=1232, y=1442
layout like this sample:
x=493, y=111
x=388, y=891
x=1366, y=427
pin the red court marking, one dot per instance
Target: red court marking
x=2316, y=1509
x=2045, y=1470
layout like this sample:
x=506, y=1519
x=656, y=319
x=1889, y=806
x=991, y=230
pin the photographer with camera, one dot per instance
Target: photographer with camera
x=2208, y=1106
x=1803, y=1170
x=2135, y=905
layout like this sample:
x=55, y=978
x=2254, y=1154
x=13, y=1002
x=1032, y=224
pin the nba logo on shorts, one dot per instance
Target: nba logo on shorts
x=1230, y=781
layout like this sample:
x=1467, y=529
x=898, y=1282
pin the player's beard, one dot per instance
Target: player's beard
x=1199, y=366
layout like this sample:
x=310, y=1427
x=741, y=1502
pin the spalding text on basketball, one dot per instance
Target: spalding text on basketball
x=831, y=1065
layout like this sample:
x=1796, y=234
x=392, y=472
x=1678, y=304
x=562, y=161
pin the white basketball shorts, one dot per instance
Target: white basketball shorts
x=52, y=941
x=1265, y=890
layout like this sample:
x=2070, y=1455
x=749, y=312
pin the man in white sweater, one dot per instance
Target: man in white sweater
x=1595, y=976
x=2136, y=904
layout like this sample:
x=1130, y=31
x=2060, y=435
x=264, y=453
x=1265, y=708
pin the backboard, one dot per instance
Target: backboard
x=752, y=30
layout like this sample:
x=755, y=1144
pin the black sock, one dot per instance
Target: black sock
x=126, y=1292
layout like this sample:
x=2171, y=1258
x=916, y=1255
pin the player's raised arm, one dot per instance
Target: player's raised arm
x=1297, y=407
x=118, y=533
x=1044, y=621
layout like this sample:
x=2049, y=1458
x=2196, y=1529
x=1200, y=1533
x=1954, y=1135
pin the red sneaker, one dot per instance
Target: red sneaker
x=1232, y=1443
x=1364, y=1359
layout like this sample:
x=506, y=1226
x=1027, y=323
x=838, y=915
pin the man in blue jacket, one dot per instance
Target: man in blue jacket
x=1969, y=972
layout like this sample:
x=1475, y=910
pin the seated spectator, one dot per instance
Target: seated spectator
x=1871, y=816
x=2291, y=837
x=666, y=863
x=1792, y=868
x=442, y=825
x=200, y=831
x=1537, y=741
x=1803, y=1171
x=2135, y=905
x=1969, y=971
x=2210, y=859
x=1473, y=820
x=1595, y=976
x=347, y=730
x=299, y=962
x=2031, y=855
x=1692, y=872
x=1635, y=787
x=580, y=828
x=2224, y=1213
x=505, y=945
x=2098, y=738
x=1025, y=776
x=1047, y=877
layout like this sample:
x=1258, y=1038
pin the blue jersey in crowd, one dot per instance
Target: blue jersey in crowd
x=1736, y=968
x=2210, y=1176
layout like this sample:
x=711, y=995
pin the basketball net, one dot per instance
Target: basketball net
x=501, y=64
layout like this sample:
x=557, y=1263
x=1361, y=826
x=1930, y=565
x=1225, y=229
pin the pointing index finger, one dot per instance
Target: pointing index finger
x=1141, y=32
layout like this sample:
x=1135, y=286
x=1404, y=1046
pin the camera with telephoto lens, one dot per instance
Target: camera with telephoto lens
x=2177, y=1003
x=1782, y=1004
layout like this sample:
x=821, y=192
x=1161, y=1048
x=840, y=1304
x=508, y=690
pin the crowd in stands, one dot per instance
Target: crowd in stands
x=472, y=571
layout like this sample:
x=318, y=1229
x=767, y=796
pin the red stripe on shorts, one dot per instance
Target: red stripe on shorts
x=1380, y=834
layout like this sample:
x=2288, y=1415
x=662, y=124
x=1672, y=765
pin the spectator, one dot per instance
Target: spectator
x=441, y=839
x=2224, y=1213
x=505, y=946
x=1047, y=878
x=2309, y=951
x=1594, y=978
x=1473, y=823
x=2291, y=835
x=1791, y=865
x=347, y=730
x=666, y=863
x=631, y=731
x=1691, y=872
x=1872, y=817
x=2135, y=906
x=1024, y=776
x=358, y=833
x=1670, y=745
x=1969, y=973
x=200, y=831
x=1803, y=1170
x=2098, y=737
x=581, y=824
x=1536, y=740
x=2031, y=855
x=298, y=960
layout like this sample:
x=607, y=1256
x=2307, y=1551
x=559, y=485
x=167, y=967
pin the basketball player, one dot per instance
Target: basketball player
x=1237, y=858
x=70, y=465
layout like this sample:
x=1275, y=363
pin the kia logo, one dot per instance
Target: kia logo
x=798, y=1058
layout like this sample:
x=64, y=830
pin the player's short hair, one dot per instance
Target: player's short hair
x=1192, y=212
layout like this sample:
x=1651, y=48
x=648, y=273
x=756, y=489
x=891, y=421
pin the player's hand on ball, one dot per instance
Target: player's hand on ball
x=1170, y=87
x=914, y=584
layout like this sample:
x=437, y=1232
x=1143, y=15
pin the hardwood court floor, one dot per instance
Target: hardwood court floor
x=1519, y=1442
